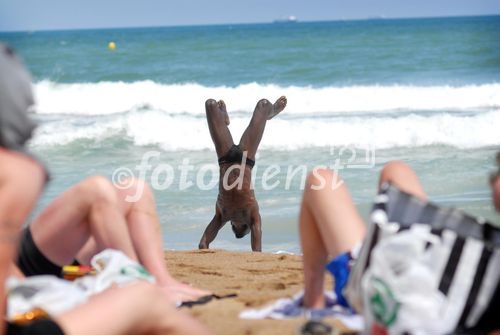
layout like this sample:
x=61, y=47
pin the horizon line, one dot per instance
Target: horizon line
x=371, y=18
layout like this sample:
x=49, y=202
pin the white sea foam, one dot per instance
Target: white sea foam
x=172, y=116
x=117, y=97
x=189, y=132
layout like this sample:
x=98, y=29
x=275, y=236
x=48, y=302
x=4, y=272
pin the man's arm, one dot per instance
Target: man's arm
x=256, y=231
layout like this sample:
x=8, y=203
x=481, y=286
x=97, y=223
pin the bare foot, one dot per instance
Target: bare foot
x=222, y=107
x=278, y=106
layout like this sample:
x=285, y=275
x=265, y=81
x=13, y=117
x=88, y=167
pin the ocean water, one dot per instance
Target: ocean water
x=360, y=93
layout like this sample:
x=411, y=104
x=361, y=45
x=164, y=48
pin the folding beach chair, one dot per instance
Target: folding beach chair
x=462, y=253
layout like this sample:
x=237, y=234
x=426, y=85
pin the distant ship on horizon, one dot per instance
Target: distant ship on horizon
x=287, y=19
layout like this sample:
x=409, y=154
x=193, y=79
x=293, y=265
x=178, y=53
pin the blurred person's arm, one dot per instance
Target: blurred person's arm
x=21, y=181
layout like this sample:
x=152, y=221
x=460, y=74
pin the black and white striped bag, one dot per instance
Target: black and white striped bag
x=426, y=270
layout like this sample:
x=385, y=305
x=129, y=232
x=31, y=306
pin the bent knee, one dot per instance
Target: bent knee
x=321, y=178
x=97, y=189
x=394, y=168
x=134, y=186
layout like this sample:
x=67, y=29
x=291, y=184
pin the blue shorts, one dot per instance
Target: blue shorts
x=340, y=267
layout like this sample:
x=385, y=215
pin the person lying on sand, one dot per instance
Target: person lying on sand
x=330, y=225
x=236, y=201
x=139, y=308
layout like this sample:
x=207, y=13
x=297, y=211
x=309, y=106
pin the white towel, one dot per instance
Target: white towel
x=289, y=308
x=55, y=295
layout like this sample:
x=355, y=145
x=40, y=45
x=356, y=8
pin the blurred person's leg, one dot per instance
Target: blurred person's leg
x=135, y=309
x=403, y=177
x=495, y=189
x=495, y=184
x=330, y=224
x=95, y=215
x=88, y=209
x=143, y=225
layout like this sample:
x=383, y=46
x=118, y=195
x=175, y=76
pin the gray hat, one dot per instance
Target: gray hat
x=16, y=97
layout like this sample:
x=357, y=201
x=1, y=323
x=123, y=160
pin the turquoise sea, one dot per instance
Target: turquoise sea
x=426, y=91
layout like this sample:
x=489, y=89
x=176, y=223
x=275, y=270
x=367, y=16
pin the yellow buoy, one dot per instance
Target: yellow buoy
x=111, y=46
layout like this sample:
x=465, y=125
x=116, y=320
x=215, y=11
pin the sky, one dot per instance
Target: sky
x=76, y=14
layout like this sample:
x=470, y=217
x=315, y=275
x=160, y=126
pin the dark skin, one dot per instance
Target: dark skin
x=237, y=204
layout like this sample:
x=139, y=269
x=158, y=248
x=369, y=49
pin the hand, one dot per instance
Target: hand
x=179, y=292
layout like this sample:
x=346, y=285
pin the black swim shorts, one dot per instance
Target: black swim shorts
x=235, y=156
x=32, y=261
x=38, y=327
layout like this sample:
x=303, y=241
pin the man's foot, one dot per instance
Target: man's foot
x=278, y=106
x=222, y=107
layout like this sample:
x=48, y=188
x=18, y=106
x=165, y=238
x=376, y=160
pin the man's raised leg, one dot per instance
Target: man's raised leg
x=218, y=120
x=252, y=136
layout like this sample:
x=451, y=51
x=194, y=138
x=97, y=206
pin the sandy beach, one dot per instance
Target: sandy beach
x=257, y=279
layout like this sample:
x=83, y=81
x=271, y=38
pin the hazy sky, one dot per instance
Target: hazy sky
x=71, y=14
